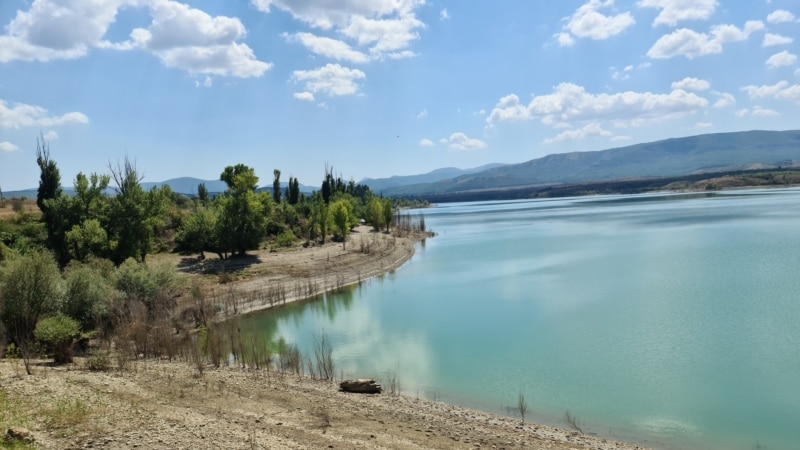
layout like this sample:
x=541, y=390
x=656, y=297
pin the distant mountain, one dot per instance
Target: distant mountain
x=184, y=185
x=671, y=157
x=383, y=184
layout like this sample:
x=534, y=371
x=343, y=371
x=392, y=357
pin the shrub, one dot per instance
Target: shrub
x=285, y=239
x=59, y=332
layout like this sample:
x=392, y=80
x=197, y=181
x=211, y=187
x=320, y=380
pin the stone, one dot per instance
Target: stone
x=19, y=434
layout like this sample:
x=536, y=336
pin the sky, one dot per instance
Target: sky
x=374, y=88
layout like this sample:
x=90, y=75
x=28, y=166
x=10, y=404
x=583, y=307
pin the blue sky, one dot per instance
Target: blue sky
x=376, y=88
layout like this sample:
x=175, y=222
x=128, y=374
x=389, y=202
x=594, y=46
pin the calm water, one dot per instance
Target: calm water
x=669, y=320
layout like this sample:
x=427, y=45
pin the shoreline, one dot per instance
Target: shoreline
x=266, y=279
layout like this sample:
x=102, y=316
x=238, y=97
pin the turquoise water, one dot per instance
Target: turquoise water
x=667, y=320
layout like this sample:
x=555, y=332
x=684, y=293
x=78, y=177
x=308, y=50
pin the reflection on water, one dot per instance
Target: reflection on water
x=665, y=319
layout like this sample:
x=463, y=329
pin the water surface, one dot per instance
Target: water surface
x=669, y=320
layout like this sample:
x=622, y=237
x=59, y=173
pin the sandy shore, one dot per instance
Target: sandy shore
x=168, y=405
x=269, y=278
x=158, y=404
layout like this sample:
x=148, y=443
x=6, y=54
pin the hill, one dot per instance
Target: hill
x=382, y=184
x=707, y=153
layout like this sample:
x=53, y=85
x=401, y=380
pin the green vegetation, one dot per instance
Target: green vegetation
x=79, y=267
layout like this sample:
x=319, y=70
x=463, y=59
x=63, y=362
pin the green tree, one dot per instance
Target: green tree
x=58, y=332
x=244, y=214
x=341, y=216
x=202, y=193
x=86, y=240
x=199, y=233
x=320, y=221
x=29, y=289
x=294, y=191
x=388, y=213
x=88, y=296
x=50, y=177
x=53, y=204
x=135, y=215
x=276, y=186
x=375, y=213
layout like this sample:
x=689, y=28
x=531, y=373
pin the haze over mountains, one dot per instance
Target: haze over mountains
x=671, y=157
x=705, y=153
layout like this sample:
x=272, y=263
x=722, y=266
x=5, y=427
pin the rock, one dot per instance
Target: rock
x=19, y=434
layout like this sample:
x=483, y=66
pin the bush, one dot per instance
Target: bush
x=88, y=297
x=285, y=239
x=98, y=361
x=58, y=332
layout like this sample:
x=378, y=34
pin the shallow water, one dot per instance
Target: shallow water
x=668, y=320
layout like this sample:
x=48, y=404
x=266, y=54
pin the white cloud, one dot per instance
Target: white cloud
x=192, y=40
x=724, y=100
x=764, y=112
x=703, y=125
x=327, y=47
x=182, y=37
x=21, y=115
x=589, y=130
x=674, y=11
x=691, y=44
x=564, y=39
x=779, y=91
x=571, y=103
x=781, y=59
x=588, y=22
x=53, y=30
x=621, y=138
x=443, y=14
x=460, y=142
x=691, y=84
x=332, y=80
x=304, y=96
x=776, y=39
x=422, y=114
x=387, y=27
x=8, y=147
x=426, y=143
x=50, y=136
x=780, y=16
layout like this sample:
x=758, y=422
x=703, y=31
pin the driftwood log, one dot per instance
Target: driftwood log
x=361, y=386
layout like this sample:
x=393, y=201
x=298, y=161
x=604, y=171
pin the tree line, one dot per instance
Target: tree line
x=80, y=264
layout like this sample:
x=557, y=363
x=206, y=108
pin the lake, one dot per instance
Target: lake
x=670, y=320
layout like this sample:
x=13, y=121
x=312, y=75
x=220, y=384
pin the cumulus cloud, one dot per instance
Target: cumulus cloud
x=181, y=36
x=564, y=39
x=691, y=84
x=426, y=143
x=703, y=125
x=190, y=39
x=8, y=147
x=21, y=115
x=781, y=90
x=332, y=80
x=771, y=39
x=571, y=103
x=443, y=14
x=674, y=11
x=589, y=22
x=52, y=30
x=780, y=16
x=50, y=136
x=781, y=59
x=327, y=47
x=589, y=130
x=764, y=112
x=725, y=99
x=460, y=142
x=385, y=27
x=422, y=114
x=691, y=44
x=304, y=96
